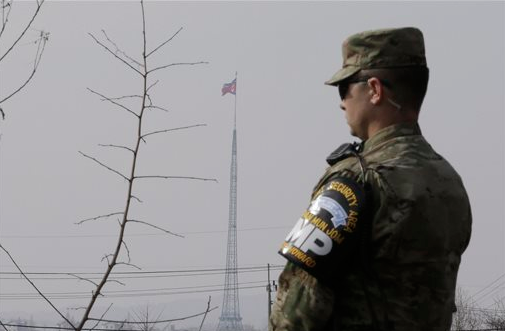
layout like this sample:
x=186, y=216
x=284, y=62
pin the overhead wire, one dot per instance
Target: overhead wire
x=128, y=295
x=137, y=274
x=136, y=235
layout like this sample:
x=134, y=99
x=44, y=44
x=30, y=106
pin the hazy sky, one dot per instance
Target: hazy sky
x=288, y=121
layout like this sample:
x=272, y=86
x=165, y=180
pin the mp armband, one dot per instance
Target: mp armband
x=327, y=234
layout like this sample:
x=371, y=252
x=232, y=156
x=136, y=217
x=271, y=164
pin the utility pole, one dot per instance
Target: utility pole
x=271, y=287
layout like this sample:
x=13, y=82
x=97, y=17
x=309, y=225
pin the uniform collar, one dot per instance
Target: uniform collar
x=390, y=132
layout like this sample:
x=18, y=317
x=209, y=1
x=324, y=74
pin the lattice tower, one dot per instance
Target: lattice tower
x=230, y=319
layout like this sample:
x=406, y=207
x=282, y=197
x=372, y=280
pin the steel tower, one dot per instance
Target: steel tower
x=230, y=319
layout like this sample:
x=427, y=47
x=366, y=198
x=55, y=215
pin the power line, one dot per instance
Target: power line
x=127, y=291
x=487, y=286
x=131, y=295
x=492, y=290
x=133, y=274
x=64, y=236
x=264, y=268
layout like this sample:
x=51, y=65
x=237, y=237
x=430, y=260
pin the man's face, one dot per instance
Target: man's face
x=355, y=103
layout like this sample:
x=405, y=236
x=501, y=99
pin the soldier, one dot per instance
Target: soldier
x=380, y=244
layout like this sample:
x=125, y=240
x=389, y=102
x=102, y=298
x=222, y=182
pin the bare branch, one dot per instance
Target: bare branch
x=39, y=5
x=5, y=18
x=127, y=97
x=152, y=85
x=98, y=217
x=127, y=250
x=177, y=64
x=160, y=108
x=115, y=55
x=38, y=56
x=156, y=227
x=36, y=288
x=115, y=280
x=130, y=265
x=174, y=129
x=160, y=321
x=120, y=51
x=105, y=166
x=101, y=317
x=205, y=315
x=134, y=197
x=106, y=257
x=152, y=106
x=118, y=146
x=164, y=43
x=177, y=177
x=5, y=328
x=104, y=98
x=81, y=278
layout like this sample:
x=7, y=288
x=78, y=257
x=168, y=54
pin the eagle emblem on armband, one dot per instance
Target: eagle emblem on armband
x=337, y=212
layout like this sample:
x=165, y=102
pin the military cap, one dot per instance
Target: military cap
x=385, y=48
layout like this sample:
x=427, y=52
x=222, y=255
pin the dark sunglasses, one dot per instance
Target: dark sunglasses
x=343, y=87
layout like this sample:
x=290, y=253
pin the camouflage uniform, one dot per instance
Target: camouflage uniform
x=405, y=278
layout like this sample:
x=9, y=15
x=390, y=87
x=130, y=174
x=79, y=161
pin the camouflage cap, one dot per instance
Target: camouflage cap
x=385, y=48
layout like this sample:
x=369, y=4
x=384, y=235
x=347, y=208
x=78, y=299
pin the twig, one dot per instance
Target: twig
x=39, y=5
x=164, y=43
x=105, y=166
x=104, y=98
x=98, y=217
x=120, y=51
x=130, y=265
x=157, y=227
x=81, y=278
x=115, y=55
x=101, y=317
x=116, y=281
x=134, y=197
x=177, y=177
x=38, y=57
x=36, y=288
x=106, y=257
x=152, y=85
x=174, y=129
x=117, y=146
x=127, y=251
x=127, y=97
x=156, y=107
x=205, y=315
x=5, y=328
x=5, y=18
x=160, y=321
x=177, y=64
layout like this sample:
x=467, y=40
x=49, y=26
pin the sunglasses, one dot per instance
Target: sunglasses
x=343, y=87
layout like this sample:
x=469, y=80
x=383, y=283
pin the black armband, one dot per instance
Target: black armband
x=328, y=233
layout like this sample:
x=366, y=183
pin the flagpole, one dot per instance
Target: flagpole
x=235, y=118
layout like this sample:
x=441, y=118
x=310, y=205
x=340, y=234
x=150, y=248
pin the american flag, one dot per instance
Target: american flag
x=229, y=87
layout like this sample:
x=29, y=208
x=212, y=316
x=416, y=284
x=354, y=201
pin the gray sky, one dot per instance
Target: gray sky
x=288, y=122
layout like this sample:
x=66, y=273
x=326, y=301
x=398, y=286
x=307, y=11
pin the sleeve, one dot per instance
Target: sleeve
x=318, y=248
x=326, y=236
x=302, y=303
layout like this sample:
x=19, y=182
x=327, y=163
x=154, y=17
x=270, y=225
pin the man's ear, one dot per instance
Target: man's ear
x=376, y=90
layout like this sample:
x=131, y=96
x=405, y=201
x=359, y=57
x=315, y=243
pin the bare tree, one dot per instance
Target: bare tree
x=144, y=71
x=466, y=316
x=9, y=46
x=494, y=318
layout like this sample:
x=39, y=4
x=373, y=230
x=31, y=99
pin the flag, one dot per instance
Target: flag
x=229, y=87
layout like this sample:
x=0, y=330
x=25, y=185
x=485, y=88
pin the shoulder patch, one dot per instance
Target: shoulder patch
x=327, y=233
